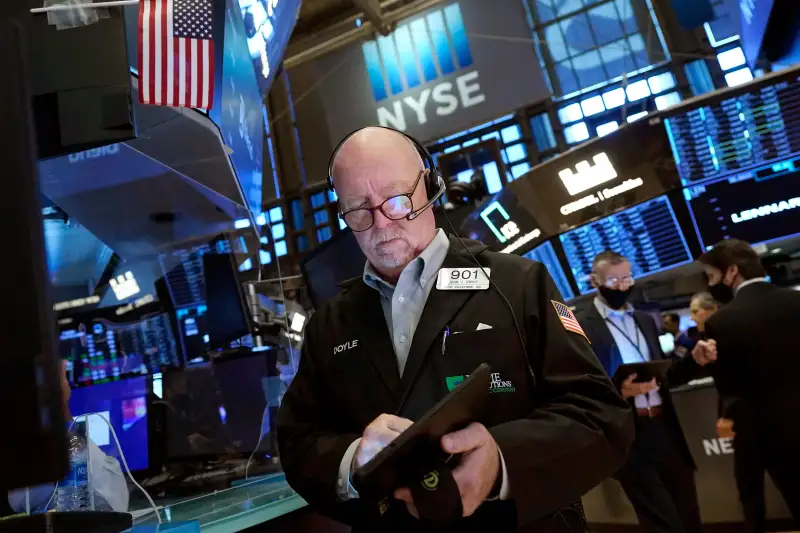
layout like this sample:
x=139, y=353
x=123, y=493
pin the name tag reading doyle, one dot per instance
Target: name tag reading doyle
x=463, y=279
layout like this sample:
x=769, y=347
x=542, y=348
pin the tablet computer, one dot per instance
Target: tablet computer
x=645, y=371
x=462, y=406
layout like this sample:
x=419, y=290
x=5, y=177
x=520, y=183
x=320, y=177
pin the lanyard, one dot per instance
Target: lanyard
x=636, y=345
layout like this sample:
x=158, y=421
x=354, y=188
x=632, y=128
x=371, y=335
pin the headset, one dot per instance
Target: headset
x=435, y=188
x=434, y=183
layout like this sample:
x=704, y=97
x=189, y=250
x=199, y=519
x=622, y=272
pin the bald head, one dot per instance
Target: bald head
x=369, y=148
x=371, y=166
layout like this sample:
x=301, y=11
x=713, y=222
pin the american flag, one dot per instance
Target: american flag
x=176, y=53
x=568, y=319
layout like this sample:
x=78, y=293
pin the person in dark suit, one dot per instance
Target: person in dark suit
x=753, y=351
x=389, y=347
x=658, y=477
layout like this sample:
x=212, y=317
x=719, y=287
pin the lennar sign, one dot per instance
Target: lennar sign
x=587, y=176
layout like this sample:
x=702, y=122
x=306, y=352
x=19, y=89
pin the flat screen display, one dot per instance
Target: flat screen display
x=627, y=167
x=647, y=234
x=217, y=408
x=228, y=315
x=739, y=132
x=757, y=206
x=99, y=350
x=124, y=404
x=546, y=254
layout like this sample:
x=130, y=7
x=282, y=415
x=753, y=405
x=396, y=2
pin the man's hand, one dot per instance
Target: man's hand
x=631, y=389
x=377, y=436
x=705, y=352
x=477, y=472
x=725, y=428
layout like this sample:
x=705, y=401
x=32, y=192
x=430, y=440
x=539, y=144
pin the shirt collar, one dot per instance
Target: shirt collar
x=425, y=265
x=606, y=312
x=750, y=282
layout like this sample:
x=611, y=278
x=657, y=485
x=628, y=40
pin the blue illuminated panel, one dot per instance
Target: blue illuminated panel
x=648, y=235
x=546, y=255
x=736, y=134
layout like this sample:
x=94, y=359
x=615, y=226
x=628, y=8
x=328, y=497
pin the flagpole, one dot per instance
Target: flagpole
x=68, y=7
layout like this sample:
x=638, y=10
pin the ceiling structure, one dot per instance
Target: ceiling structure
x=325, y=25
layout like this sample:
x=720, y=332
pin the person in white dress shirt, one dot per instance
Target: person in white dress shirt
x=658, y=477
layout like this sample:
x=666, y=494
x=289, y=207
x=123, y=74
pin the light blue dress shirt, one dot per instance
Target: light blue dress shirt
x=631, y=343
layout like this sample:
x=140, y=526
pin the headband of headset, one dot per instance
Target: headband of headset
x=431, y=181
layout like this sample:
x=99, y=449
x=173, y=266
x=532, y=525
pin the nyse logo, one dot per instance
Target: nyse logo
x=124, y=286
x=588, y=176
x=718, y=446
x=417, y=53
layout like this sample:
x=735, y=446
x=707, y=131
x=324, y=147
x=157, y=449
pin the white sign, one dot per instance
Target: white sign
x=588, y=176
x=599, y=196
x=460, y=279
x=124, y=286
x=766, y=210
x=522, y=241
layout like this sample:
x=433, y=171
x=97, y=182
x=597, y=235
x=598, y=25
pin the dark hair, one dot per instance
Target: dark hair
x=674, y=317
x=608, y=256
x=731, y=252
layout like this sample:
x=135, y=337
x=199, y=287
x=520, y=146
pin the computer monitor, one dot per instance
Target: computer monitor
x=337, y=260
x=218, y=408
x=228, y=315
x=98, y=349
x=124, y=404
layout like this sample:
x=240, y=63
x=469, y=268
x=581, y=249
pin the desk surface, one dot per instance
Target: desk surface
x=236, y=509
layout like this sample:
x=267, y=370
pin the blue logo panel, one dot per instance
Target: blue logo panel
x=418, y=52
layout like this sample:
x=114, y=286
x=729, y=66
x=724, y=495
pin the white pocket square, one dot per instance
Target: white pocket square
x=482, y=326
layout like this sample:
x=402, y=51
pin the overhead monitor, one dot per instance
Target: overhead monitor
x=228, y=314
x=738, y=130
x=647, y=234
x=124, y=404
x=626, y=167
x=546, y=254
x=758, y=206
x=503, y=224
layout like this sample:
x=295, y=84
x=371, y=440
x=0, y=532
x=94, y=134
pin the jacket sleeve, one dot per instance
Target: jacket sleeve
x=582, y=430
x=684, y=370
x=310, y=447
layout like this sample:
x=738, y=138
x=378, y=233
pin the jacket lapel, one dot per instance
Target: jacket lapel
x=439, y=311
x=378, y=343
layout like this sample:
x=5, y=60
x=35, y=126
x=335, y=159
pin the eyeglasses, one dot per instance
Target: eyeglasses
x=394, y=208
x=614, y=281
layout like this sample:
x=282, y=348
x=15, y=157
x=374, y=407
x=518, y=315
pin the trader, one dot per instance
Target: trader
x=658, y=477
x=110, y=487
x=753, y=347
x=383, y=352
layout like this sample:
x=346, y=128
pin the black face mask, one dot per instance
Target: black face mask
x=721, y=292
x=615, y=298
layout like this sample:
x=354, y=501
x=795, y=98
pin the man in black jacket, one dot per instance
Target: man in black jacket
x=383, y=352
x=754, y=343
x=658, y=477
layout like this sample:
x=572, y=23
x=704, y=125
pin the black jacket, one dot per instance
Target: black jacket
x=559, y=437
x=682, y=371
x=758, y=342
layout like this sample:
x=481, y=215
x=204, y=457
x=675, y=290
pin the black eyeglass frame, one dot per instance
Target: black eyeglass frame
x=372, y=210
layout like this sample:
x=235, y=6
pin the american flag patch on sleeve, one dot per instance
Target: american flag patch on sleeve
x=568, y=320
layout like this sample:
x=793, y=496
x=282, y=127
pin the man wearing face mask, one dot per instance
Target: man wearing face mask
x=753, y=355
x=658, y=477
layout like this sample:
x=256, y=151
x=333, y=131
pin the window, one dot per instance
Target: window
x=636, y=116
x=637, y=90
x=516, y=152
x=281, y=249
x=592, y=42
x=317, y=200
x=730, y=59
x=614, y=98
x=576, y=133
x=323, y=234
x=519, y=170
x=320, y=217
x=543, y=134
x=511, y=134
x=608, y=127
x=592, y=106
x=301, y=243
x=571, y=113
x=278, y=231
x=666, y=100
x=298, y=217
x=738, y=77
x=700, y=81
x=661, y=82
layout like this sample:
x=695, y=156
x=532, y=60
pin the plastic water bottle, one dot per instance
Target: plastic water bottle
x=73, y=493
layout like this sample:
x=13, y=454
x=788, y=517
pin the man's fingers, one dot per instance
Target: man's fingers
x=404, y=495
x=397, y=424
x=465, y=440
x=629, y=379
